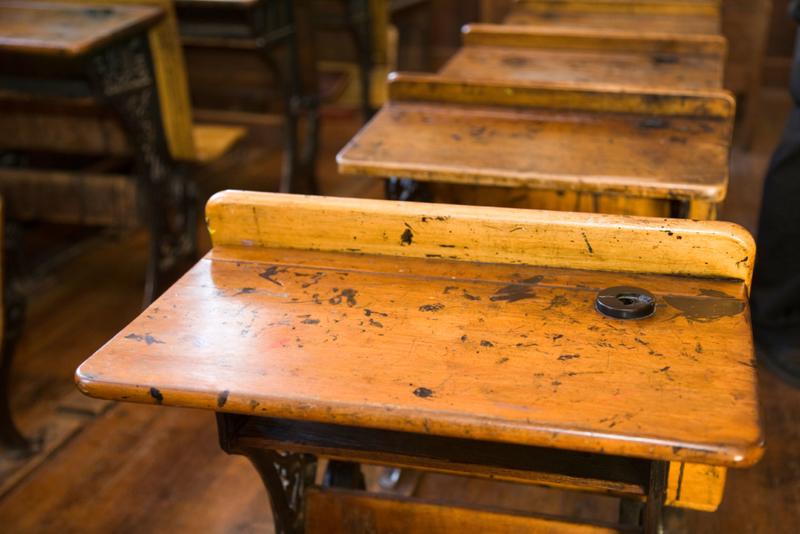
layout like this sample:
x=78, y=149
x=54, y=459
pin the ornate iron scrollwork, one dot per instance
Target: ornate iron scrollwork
x=124, y=79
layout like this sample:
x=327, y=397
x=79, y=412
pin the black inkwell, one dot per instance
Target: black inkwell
x=626, y=302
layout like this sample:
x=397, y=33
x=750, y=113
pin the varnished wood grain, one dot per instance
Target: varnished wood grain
x=499, y=52
x=494, y=235
x=669, y=17
x=606, y=98
x=480, y=350
x=590, y=139
x=338, y=511
x=607, y=40
x=69, y=30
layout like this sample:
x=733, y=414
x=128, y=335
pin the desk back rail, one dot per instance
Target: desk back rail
x=494, y=235
x=478, y=34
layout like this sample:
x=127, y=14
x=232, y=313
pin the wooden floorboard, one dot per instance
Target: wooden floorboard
x=158, y=469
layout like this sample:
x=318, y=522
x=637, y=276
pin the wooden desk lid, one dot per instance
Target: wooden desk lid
x=525, y=53
x=69, y=29
x=386, y=337
x=590, y=137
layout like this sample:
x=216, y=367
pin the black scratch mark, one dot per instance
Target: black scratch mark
x=223, y=398
x=502, y=360
x=485, y=343
x=373, y=322
x=470, y=297
x=568, y=357
x=640, y=341
x=370, y=312
x=587, y=243
x=431, y=307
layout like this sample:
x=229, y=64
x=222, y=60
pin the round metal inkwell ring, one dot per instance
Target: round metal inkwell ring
x=626, y=302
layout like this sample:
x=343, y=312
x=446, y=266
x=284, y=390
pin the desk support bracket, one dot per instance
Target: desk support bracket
x=285, y=474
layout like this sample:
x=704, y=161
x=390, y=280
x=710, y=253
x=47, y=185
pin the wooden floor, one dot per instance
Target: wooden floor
x=135, y=468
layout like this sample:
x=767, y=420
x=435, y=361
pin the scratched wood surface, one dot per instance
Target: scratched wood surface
x=489, y=235
x=512, y=53
x=508, y=353
x=667, y=17
x=69, y=30
x=538, y=136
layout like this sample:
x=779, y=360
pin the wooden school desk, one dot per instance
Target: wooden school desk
x=103, y=80
x=658, y=16
x=58, y=36
x=263, y=26
x=570, y=147
x=457, y=339
x=526, y=53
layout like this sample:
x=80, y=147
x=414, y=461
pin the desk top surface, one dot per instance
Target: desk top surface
x=643, y=69
x=498, y=352
x=635, y=155
x=56, y=29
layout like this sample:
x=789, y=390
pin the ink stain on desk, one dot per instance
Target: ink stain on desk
x=423, y=393
x=156, y=395
x=519, y=291
x=348, y=294
x=222, y=398
x=431, y=307
x=407, y=237
x=269, y=273
x=704, y=310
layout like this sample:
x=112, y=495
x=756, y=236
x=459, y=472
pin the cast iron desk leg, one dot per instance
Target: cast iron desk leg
x=13, y=314
x=123, y=78
x=286, y=475
x=275, y=22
